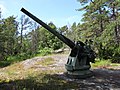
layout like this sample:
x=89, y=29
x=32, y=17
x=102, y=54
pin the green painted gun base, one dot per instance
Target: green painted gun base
x=79, y=74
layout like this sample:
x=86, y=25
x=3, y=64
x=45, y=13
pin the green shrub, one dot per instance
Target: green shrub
x=45, y=51
x=4, y=63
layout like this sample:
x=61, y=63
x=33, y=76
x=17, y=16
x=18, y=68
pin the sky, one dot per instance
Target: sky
x=60, y=12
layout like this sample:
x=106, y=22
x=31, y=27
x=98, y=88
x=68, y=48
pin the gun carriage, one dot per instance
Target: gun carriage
x=78, y=63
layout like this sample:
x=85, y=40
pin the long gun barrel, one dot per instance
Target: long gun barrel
x=60, y=36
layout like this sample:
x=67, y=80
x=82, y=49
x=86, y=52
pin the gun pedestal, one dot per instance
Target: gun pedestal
x=75, y=70
x=78, y=63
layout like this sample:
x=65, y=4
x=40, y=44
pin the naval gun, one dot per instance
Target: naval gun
x=78, y=63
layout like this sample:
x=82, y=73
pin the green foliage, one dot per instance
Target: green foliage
x=49, y=40
x=101, y=63
x=4, y=63
x=21, y=56
x=101, y=24
x=14, y=59
x=16, y=46
x=45, y=51
x=7, y=36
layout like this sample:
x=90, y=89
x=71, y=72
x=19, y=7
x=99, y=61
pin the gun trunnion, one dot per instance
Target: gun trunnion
x=81, y=55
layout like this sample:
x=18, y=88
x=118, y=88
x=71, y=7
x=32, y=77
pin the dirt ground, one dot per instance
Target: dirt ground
x=103, y=78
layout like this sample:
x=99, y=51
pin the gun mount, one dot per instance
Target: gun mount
x=81, y=55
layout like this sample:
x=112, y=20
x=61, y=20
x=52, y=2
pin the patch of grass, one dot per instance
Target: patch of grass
x=101, y=63
x=16, y=78
x=16, y=71
x=41, y=82
x=46, y=62
x=12, y=72
x=104, y=64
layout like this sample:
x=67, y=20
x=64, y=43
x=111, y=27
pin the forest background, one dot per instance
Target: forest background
x=100, y=27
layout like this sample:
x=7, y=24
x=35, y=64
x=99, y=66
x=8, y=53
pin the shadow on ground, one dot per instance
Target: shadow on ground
x=48, y=82
x=103, y=79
